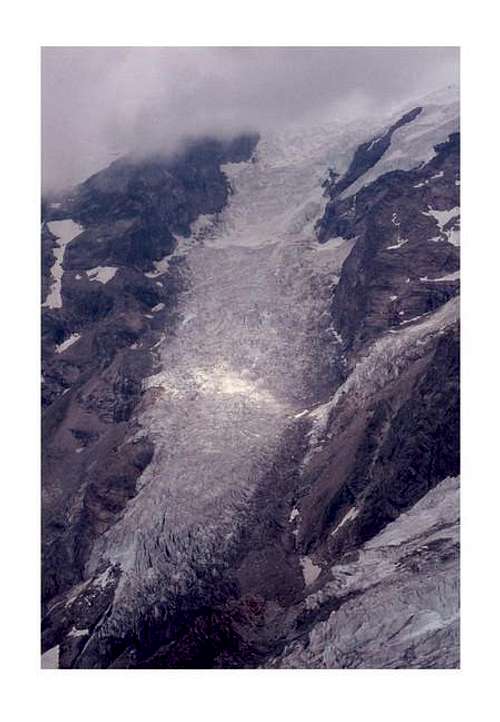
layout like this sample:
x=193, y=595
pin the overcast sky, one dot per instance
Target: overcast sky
x=100, y=101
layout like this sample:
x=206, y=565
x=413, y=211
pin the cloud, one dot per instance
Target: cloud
x=99, y=101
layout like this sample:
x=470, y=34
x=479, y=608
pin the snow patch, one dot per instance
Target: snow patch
x=373, y=142
x=442, y=217
x=310, y=570
x=453, y=237
x=161, y=267
x=50, y=659
x=411, y=320
x=450, y=277
x=66, y=344
x=78, y=632
x=102, y=274
x=400, y=243
x=301, y=414
x=65, y=231
x=350, y=516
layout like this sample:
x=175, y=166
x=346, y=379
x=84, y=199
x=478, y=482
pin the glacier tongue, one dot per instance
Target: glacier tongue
x=279, y=196
x=253, y=341
x=253, y=348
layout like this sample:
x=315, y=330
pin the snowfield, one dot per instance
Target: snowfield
x=65, y=231
x=413, y=144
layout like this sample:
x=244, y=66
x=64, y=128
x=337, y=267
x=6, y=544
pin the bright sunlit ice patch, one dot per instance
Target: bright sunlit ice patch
x=223, y=381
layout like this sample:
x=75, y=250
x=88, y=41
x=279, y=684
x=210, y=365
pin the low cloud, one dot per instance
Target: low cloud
x=100, y=102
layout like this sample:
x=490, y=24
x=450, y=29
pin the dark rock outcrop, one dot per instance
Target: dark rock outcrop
x=388, y=278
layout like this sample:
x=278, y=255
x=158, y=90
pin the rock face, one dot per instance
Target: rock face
x=251, y=402
x=404, y=262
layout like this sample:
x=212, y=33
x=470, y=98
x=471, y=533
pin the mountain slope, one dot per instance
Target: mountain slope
x=253, y=371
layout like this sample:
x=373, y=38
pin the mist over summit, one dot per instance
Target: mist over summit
x=98, y=103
